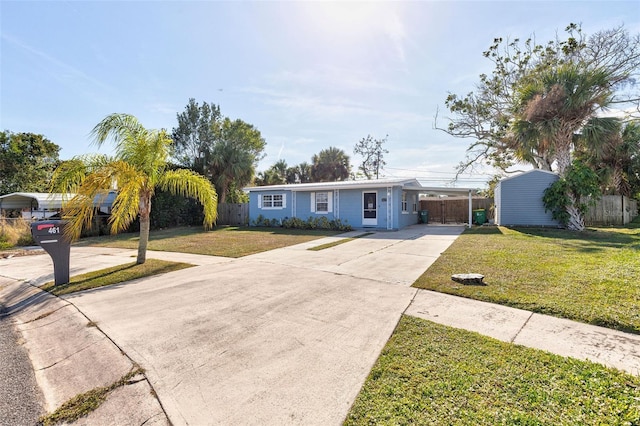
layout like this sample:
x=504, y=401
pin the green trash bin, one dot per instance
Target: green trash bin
x=423, y=216
x=479, y=216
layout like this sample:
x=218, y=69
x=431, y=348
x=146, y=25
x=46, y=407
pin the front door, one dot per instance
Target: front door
x=369, y=209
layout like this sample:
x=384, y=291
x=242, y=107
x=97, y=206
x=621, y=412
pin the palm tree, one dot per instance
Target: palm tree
x=329, y=165
x=137, y=169
x=300, y=173
x=615, y=161
x=553, y=106
x=230, y=164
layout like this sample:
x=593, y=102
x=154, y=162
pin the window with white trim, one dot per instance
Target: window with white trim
x=321, y=202
x=405, y=208
x=415, y=203
x=272, y=201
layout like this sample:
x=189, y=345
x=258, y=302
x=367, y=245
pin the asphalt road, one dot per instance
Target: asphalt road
x=20, y=398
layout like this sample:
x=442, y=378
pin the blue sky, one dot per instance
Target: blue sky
x=308, y=75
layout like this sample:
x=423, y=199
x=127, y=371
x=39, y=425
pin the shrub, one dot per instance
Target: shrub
x=264, y=222
x=15, y=232
x=4, y=242
x=293, y=223
x=315, y=223
x=26, y=240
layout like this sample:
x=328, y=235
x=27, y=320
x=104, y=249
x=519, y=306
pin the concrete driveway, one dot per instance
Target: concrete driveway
x=282, y=337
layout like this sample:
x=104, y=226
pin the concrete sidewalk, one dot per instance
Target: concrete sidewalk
x=557, y=335
x=281, y=337
x=70, y=357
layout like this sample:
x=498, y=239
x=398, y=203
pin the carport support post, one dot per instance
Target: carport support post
x=470, y=208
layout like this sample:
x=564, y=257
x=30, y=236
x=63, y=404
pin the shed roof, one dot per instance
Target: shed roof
x=527, y=173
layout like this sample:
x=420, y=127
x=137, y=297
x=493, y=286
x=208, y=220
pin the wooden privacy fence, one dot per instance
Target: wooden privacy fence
x=455, y=210
x=612, y=210
x=608, y=210
x=233, y=214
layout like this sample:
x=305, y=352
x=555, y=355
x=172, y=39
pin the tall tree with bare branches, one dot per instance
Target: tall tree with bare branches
x=490, y=116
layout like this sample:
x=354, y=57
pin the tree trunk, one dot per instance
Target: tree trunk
x=576, y=221
x=145, y=210
x=563, y=157
x=222, y=197
x=564, y=139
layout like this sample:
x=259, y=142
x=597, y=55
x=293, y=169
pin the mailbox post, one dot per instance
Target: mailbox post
x=50, y=236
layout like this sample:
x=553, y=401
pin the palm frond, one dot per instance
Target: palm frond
x=122, y=128
x=189, y=184
x=125, y=208
x=597, y=133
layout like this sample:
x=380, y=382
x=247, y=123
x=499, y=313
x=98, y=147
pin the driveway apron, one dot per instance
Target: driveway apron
x=281, y=337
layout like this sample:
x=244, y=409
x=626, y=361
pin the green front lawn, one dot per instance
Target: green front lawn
x=591, y=276
x=225, y=241
x=429, y=374
x=114, y=275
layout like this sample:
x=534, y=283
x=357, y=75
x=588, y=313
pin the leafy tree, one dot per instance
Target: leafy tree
x=372, y=154
x=228, y=164
x=331, y=164
x=617, y=160
x=274, y=175
x=225, y=151
x=27, y=162
x=171, y=210
x=196, y=134
x=138, y=168
x=569, y=193
x=492, y=114
x=542, y=102
x=232, y=160
x=300, y=173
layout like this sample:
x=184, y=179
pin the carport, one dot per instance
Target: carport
x=452, y=192
x=33, y=204
x=41, y=205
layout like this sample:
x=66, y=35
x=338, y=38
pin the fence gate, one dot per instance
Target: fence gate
x=233, y=214
x=454, y=210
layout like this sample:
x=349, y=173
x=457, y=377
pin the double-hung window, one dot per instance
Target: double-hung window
x=405, y=208
x=272, y=201
x=321, y=202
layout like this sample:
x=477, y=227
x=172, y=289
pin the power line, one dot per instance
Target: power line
x=438, y=172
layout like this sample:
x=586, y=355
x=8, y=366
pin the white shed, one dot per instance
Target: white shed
x=518, y=199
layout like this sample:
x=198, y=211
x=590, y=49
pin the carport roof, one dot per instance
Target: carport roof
x=43, y=200
x=36, y=200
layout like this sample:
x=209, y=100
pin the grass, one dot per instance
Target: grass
x=591, y=276
x=114, y=275
x=14, y=232
x=83, y=404
x=227, y=242
x=338, y=242
x=431, y=374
